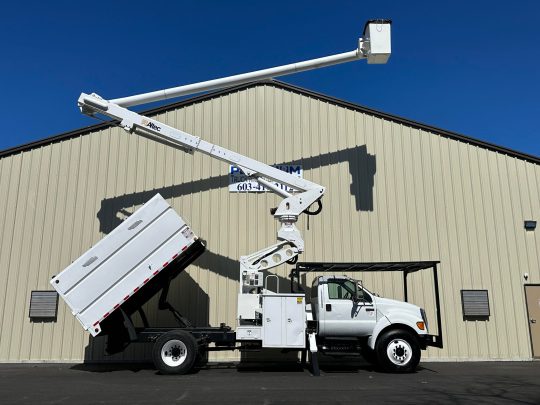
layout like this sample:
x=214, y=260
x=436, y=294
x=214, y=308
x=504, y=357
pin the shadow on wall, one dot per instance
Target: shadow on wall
x=362, y=168
x=193, y=302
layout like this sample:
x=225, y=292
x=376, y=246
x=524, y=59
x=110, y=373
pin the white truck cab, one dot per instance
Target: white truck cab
x=390, y=332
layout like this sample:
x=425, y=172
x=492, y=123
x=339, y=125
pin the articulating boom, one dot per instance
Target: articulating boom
x=290, y=242
x=374, y=46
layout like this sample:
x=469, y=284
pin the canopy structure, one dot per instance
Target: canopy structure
x=408, y=267
x=404, y=267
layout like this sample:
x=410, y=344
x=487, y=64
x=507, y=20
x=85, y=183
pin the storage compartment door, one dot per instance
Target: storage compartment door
x=272, y=322
x=295, y=324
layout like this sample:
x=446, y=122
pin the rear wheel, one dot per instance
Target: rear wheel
x=398, y=351
x=175, y=352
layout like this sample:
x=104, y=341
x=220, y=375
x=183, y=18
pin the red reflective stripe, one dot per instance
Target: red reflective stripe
x=165, y=264
x=136, y=289
x=116, y=306
x=106, y=315
x=126, y=297
x=175, y=256
x=95, y=323
x=146, y=281
x=184, y=248
x=156, y=272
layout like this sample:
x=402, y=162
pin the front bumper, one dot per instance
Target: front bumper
x=431, y=340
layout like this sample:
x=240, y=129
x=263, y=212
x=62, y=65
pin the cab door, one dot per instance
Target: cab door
x=343, y=314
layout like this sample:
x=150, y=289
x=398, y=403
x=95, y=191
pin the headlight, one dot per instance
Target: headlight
x=424, y=317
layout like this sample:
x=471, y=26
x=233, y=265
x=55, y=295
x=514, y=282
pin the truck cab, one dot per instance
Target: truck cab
x=390, y=333
x=342, y=307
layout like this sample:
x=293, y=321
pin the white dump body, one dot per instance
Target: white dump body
x=108, y=274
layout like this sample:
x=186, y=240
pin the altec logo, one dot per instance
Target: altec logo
x=150, y=125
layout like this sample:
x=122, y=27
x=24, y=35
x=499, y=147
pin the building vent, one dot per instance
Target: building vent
x=43, y=305
x=475, y=303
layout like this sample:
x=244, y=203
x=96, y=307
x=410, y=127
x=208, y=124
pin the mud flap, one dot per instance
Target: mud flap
x=313, y=355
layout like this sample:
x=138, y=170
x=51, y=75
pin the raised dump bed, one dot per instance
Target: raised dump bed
x=129, y=266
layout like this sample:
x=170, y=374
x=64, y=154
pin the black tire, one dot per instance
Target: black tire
x=175, y=352
x=398, y=351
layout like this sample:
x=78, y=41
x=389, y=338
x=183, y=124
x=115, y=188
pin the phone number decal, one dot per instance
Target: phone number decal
x=240, y=183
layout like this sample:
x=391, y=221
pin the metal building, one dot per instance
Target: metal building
x=398, y=190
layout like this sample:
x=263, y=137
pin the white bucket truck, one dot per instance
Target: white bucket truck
x=111, y=281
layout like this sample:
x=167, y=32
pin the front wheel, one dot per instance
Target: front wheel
x=175, y=352
x=398, y=351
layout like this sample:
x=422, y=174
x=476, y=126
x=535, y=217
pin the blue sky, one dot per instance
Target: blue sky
x=468, y=66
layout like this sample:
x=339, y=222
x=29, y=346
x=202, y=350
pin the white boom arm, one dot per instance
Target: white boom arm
x=374, y=46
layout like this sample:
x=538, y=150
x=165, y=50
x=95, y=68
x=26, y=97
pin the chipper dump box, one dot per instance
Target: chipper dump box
x=124, y=270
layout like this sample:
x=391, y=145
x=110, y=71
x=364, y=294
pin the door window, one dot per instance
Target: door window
x=341, y=289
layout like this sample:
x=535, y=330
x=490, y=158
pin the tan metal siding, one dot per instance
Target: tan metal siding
x=393, y=193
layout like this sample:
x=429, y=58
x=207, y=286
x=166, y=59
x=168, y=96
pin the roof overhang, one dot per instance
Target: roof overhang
x=289, y=87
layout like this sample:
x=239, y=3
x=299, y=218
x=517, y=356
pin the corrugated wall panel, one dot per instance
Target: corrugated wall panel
x=6, y=220
x=393, y=193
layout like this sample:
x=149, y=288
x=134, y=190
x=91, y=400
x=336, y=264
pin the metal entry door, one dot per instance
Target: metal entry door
x=532, y=295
